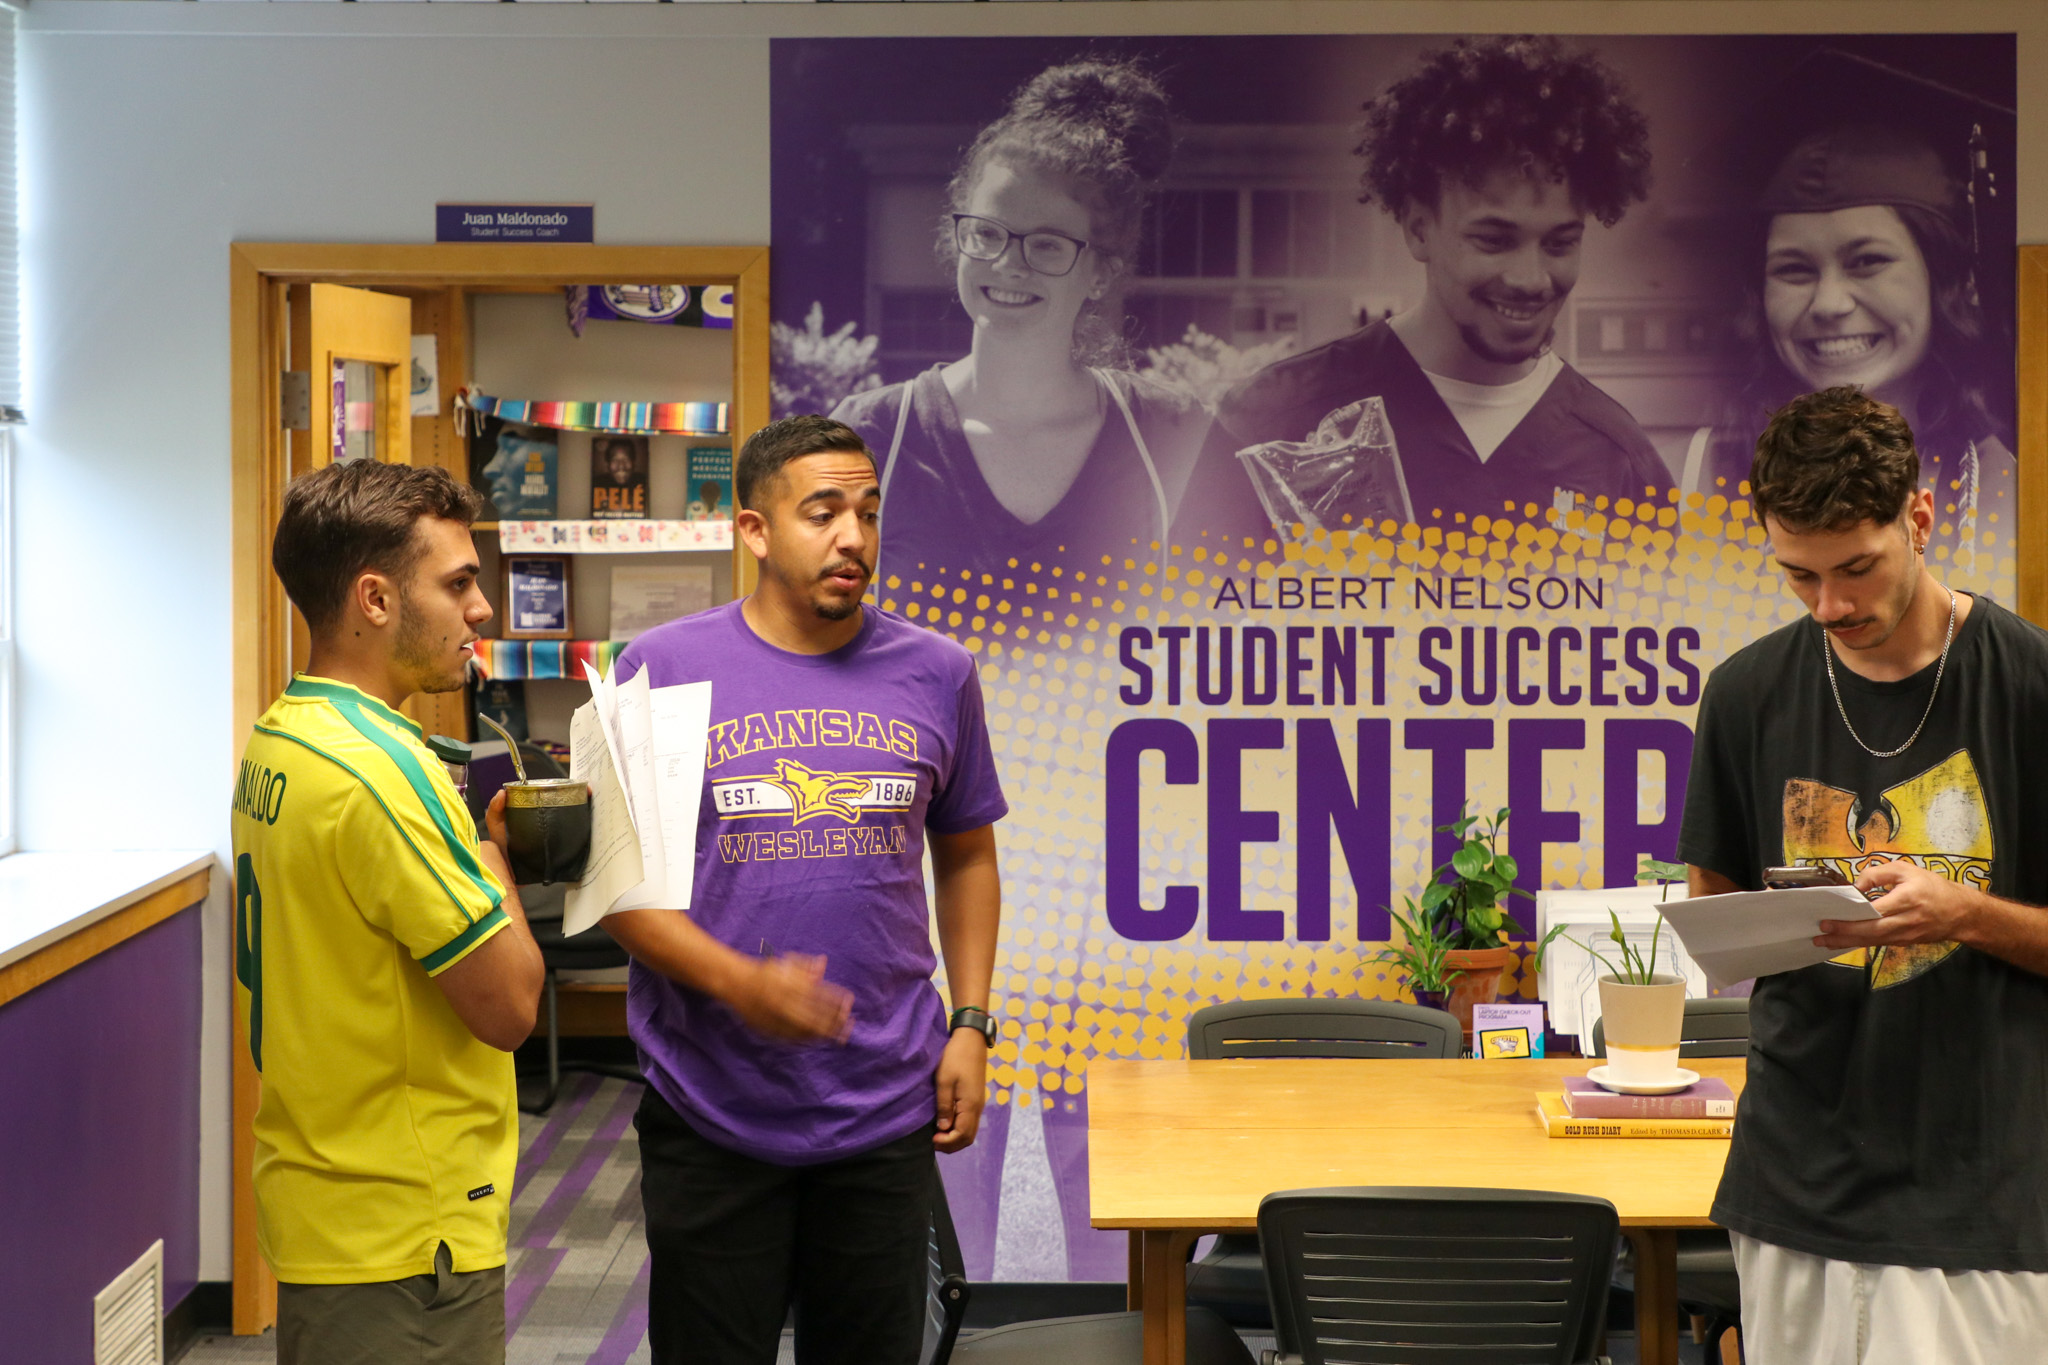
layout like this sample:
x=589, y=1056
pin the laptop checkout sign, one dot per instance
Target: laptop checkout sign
x=514, y=222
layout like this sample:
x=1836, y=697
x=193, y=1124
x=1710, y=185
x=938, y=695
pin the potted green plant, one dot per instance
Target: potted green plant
x=1463, y=915
x=1422, y=957
x=1642, y=1010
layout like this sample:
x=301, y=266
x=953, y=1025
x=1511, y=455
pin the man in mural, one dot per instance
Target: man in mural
x=1885, y=1181
x=383, y=967
x=1490, y=156
x=801, y=1069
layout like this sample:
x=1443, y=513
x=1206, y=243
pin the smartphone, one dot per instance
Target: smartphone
x=1782, y=878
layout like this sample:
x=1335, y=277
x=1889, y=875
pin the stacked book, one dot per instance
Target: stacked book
x=1704, y=1109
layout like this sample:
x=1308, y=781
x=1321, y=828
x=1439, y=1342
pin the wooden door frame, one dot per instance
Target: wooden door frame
x=260, y=274
x=2032, y=531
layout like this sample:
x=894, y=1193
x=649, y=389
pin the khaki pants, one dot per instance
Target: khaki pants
x=438, y=1319
x=1799, y=1309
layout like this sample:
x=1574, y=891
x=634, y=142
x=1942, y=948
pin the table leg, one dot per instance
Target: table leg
x=1163, y=1290
x=1134, y=1273
x=1656, y=1273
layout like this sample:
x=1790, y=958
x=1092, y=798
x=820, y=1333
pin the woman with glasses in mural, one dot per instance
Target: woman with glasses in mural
x=1863, y=271
x=1038, y=447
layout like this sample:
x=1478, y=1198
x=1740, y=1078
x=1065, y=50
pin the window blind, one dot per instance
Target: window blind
x=10, y=255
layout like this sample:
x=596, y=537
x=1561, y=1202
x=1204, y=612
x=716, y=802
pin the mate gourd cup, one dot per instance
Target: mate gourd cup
x=547, y=823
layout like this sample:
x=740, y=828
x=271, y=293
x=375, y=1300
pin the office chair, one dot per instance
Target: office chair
x=591, y=950
x=1094, y=1339
x=1393, y=1273
x=1230, y=1279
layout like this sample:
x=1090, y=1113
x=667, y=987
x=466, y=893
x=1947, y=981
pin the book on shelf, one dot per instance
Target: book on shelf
x=504, y=701
x=618, y=476
x=514, y=468
x=1559, y=1123
x=710, y=484
x=1706, y=1098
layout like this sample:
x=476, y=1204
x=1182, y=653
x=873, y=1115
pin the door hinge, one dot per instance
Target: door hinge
x=295, y=400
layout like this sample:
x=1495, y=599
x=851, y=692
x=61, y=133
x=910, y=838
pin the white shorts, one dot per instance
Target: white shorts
x=1807, y=1310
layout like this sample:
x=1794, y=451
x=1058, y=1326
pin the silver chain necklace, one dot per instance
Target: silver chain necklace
x=1827, y=652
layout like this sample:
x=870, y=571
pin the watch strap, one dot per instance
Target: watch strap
x=974, y=1017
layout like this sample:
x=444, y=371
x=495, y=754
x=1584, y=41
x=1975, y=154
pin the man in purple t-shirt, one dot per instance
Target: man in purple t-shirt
x=801, y=1069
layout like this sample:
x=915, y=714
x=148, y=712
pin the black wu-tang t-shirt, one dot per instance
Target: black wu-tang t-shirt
x=1897, y=1111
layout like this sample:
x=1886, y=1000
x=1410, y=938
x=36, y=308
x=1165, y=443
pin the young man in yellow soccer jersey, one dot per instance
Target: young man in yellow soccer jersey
x=383, y=965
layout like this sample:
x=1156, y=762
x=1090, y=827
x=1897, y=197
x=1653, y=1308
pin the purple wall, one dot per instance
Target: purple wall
x=99, y=1137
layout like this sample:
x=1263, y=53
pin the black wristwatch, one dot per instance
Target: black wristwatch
x=980, y=1020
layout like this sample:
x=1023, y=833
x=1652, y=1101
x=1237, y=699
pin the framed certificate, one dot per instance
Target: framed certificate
x=643, y=598
x=537, y=598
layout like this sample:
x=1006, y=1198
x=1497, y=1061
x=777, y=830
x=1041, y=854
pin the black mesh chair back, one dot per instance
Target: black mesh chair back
x=1391, y=1274
x=946, y=1291
x=1322, y=1028
x=1229, y=1279
x=1713, y=1028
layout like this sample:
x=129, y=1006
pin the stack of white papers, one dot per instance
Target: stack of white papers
x=641, y=749
x=1756, y=933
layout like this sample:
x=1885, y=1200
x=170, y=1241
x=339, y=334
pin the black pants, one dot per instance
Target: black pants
x=736, y=1242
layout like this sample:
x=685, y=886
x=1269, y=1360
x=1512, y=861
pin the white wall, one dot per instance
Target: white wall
x=153, y=135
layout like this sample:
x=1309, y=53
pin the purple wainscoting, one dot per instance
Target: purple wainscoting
x=99, y=1136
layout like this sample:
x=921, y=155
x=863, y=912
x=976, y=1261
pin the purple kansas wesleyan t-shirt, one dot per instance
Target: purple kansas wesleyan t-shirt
x=822, y=774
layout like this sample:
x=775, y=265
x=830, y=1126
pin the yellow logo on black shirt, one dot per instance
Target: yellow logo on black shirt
x=1938, y=819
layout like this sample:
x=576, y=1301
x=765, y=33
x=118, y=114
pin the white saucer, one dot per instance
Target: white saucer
x=1678, y=1080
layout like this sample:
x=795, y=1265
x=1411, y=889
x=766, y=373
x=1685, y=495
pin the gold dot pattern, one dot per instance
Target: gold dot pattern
x=1045, y=637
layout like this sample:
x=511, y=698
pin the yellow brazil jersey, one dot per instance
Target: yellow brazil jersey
x=385, y=1127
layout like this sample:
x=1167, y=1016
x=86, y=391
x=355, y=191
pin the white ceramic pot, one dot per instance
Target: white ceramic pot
x=1643, y=1026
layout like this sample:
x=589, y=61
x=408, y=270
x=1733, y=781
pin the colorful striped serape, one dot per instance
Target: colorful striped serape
x=507, y=659
x=632, y=419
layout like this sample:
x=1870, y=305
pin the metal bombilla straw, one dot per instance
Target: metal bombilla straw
x=547, y=853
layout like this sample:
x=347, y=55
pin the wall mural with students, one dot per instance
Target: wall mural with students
x=1313, y=437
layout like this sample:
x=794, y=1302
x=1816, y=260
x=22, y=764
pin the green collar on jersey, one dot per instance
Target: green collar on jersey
x=304, y=686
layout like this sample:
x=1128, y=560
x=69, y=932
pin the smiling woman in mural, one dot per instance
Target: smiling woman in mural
x=1862, y=271
x=1036, y=447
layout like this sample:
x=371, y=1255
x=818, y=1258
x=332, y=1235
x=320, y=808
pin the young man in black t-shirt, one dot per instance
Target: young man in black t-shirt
x=1887, y=1186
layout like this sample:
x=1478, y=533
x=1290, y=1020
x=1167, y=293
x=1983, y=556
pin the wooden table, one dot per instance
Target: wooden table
x=1178, y=1150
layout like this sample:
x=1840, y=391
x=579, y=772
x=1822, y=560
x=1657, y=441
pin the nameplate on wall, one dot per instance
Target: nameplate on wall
x=514, y=222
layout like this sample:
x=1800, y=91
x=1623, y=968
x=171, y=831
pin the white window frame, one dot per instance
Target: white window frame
x=10, y=400
x=8, y=749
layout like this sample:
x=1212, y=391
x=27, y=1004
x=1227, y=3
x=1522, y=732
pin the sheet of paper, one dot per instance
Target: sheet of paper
x=682, y=723
x=1756, y=933
x=636, y=772
x=606, y=696
x=614, y=868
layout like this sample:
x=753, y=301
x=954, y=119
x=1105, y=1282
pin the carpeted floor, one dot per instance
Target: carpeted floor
x=576, y=1278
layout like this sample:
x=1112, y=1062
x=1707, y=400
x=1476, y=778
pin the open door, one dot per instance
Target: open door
x=359, y=346
x=300, y=308
x=355, y=347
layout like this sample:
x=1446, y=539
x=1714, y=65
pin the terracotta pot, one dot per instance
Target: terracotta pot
x=1478, y=982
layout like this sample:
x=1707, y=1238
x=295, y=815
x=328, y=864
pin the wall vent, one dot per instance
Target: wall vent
x=128, y=1315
